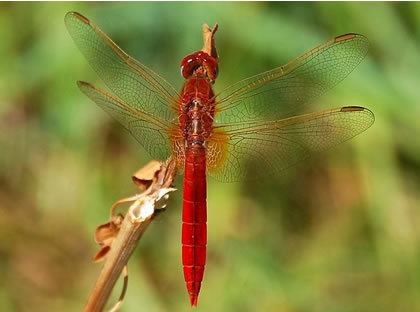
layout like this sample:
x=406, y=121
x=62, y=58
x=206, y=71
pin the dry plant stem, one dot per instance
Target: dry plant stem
x=209, y=45
x=120, y=253
x=132, y=229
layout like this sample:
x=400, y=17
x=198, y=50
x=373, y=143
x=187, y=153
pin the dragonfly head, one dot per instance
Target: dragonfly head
x=199, y=64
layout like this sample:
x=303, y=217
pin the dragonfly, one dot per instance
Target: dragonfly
x=253, y=126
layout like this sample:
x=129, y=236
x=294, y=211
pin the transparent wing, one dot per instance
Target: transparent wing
x=131, y=81
x=282, y=92
x=151, y=133
x=264, y=148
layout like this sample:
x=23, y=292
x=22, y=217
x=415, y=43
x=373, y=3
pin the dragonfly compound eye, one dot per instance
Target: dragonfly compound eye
x=211, y=66
x=189, y=64
x=196, y=60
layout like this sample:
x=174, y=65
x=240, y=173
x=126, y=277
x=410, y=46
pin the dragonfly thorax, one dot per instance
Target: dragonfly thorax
x=197, y=122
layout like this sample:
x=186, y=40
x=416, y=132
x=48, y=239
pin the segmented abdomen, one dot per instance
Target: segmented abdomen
x=194, y=220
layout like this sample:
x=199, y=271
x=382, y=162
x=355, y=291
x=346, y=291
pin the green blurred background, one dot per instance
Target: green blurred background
x=340, y=232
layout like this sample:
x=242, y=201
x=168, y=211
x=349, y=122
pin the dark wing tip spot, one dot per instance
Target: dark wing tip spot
x=78, y=16
x=350, y=36
x=83, y=83
x=352, y=109
x=365, y=110
x=345, y=37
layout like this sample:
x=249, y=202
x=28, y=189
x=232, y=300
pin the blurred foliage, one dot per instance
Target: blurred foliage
x=339, y=233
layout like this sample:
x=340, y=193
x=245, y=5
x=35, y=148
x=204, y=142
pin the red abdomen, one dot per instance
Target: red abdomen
x=194, y=220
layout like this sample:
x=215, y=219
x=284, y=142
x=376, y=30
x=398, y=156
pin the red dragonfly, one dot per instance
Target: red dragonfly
x=249, y=125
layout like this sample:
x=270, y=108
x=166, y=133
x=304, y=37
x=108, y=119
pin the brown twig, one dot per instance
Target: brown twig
x=209, y=45
x=157, y=181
